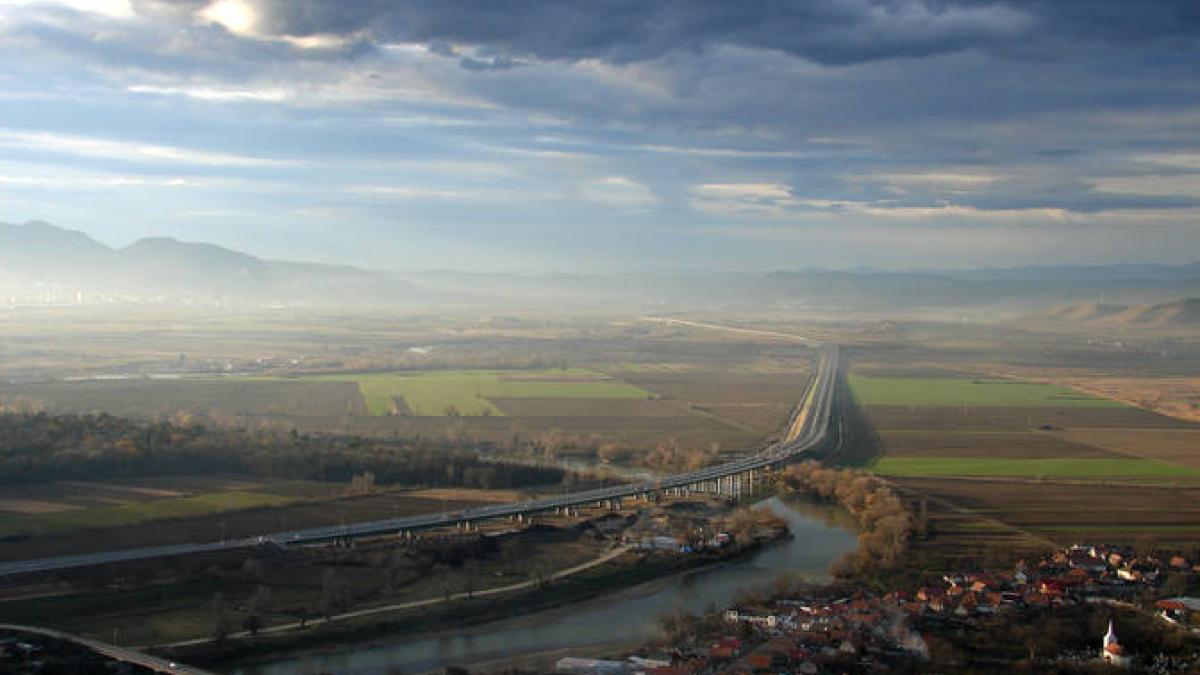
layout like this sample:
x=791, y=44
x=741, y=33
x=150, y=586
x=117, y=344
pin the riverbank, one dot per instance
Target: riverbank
x=400, y=607
x=366, y=628
x=625, y=612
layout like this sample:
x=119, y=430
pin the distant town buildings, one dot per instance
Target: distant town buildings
x=832, y=631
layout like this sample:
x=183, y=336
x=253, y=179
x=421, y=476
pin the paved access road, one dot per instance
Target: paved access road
x=112, y=651
x=807, y=429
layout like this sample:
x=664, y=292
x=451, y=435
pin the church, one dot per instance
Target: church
x=1113, y=653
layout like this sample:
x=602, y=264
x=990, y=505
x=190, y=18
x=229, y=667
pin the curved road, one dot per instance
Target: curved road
x=807, y=429
x=123, y=654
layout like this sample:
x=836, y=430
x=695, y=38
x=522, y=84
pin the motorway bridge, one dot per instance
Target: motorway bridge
x=808, y=428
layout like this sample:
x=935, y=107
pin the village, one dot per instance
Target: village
x=795, y=628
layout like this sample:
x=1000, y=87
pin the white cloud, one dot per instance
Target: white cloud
x=101, y=148
x=407, y=192
x=772, y=198
x=1175, y=160
x=118, y=9
x=960, y=212
x=777, y=199
x=84, y=181
x=319, y=41
x=724, y=152
x=212, y=93
x=936, y=181
x=618, y=191
x=1186, y=185
x=237, y=16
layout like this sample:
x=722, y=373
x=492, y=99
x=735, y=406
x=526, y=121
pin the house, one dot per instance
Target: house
x=668, y=670
x=766, y=621
x=658, y=543
x=572, y=664
x=1085, y=561
x=641, y=663
x=722, y=652
x=759, y=661
x=1181, y=610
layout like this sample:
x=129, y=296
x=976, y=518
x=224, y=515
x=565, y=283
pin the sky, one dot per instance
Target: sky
x=591, y=135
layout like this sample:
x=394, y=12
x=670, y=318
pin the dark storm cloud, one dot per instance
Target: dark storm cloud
x=824, y=31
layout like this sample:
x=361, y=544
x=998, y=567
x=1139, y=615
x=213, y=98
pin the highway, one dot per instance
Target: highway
x=807, y=429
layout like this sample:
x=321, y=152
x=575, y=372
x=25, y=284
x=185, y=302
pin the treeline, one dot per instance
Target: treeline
x=886, y=524
x=37, y=447
x=667, y=456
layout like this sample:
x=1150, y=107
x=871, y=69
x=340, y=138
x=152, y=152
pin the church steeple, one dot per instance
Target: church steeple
x=1113, y=652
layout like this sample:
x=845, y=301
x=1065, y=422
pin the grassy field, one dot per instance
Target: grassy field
x=925, y=391
x=624, y=380
x=433, y=393
x=67, y=507
x=987, y=444
x=135, y=513
x=1057, y=467
x=324, y=509
x=1074, y=512
x=233, y=397
x=295, y=582
x=1181, y=446
x=1016, y=418
x=1003, y=465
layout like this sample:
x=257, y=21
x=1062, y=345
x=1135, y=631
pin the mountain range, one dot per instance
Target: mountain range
x=39, y=261
x=1178, y=314
x=38, y=255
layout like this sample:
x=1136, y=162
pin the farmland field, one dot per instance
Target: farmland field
x=506, y=381
x=1064, y=467
x=1070, y=513
x=944, y=391
x=592, y=407
x=986, y=444
x=223, y=397
x=1181, y=446
x=1005, y=464
x=300, y=504
x=471, y=392
x=1017, y=419
x=136, y=513
x=67, y=506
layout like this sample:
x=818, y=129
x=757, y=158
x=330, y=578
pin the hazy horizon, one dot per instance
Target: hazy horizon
x=893, y=135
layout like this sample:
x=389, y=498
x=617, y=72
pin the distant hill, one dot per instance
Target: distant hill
x=41, y=263
x=1178, y=314
x=39, y=257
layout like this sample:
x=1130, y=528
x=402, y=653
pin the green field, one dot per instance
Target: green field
x=432, y=393
x=924, y=391
x=135, y=512
x=1064, y=467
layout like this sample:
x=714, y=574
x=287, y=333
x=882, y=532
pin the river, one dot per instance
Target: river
x=820, y=533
